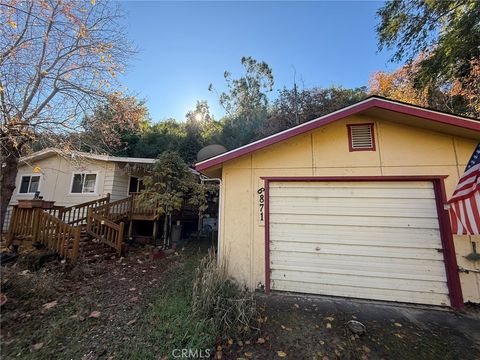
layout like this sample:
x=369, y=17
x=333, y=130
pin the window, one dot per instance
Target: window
x=84, y=183
x=29, y=184
x=136, y=185
x=361, y=137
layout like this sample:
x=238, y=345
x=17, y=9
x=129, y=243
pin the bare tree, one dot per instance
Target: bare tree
x=58, y=59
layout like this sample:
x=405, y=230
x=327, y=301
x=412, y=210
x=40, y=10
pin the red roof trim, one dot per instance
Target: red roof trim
x=372, y=102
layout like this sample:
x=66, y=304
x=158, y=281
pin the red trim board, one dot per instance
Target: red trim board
x=372, y=102
x=453, y=279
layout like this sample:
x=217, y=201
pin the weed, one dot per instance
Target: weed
x=219, y=300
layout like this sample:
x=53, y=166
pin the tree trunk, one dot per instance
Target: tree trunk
x=7, y=182
x=165, y=230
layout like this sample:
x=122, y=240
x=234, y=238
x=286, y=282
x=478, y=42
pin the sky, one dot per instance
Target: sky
x=185, y=46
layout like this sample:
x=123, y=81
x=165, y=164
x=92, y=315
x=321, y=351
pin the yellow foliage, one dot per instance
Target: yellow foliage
x=12, y=23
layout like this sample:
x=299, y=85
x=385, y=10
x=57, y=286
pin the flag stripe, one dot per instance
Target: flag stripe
x=465, y=202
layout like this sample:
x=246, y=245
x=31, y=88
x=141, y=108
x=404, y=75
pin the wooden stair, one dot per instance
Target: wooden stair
x=92, y=250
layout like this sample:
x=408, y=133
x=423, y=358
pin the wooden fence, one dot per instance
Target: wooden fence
x=105, y=230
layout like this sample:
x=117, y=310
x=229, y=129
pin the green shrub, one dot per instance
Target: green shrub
x=219, y=300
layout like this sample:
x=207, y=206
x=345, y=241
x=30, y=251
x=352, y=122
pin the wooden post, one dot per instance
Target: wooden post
x=76, y=244
x=11, y=226
x=120, y=238
x=130, y=230
x=89, y=220
x=155, y=232
x=37, y=213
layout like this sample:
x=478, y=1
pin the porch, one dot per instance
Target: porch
x=95, y=227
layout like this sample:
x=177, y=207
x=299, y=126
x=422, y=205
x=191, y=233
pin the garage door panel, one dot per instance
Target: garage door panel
x=352, y=184
x=360, y=235
x=363, y=293
x=388, y=265
x=336, y=192
x=362, y=251
x=377, y=221
x=354, y=280
x=356, y=209
x=378, y=240
x=361, y=270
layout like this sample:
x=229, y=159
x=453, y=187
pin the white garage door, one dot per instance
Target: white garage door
x=373, y=240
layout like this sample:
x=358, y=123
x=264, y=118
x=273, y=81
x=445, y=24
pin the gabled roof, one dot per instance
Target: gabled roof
x=47, y=152
x=374, y=105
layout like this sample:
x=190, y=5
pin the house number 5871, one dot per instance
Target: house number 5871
x=261, y=205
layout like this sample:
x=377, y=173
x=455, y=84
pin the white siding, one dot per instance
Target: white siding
x=376, y=240
x=117, y=183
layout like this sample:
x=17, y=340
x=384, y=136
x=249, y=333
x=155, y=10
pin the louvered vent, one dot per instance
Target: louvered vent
x=361, y=137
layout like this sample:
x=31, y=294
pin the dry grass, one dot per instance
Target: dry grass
x=219, y=300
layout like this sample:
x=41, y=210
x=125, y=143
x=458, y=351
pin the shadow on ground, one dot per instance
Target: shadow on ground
x=301, y=327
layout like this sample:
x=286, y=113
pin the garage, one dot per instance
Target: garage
x=351, y=204
x=362, y=239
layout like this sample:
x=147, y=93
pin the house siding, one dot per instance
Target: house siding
x=400, y=150
x=119, y=185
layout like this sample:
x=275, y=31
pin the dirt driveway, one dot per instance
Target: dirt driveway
x=303, y=327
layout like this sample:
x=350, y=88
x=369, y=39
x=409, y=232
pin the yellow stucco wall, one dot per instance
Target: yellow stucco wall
x=401, y=150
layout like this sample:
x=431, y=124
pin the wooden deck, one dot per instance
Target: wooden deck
x=59, y=228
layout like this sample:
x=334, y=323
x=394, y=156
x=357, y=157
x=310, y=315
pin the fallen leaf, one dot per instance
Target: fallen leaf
x=248, y=354
x=230, y=341
x=397, y=324
x=261, y=340
x=329, y=318
x=240, y=343
x=219, y=347
x=94, y=314
x=50, y=305
x=328, y=326
x=366, y=348
x=398, y=335
x=131, y=322
x=296, y=305
x=281, y=354
x=37, y=346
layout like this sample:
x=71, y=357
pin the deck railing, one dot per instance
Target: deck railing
x=21, y=224
x=41, y=226
x=58, y=228
x=77, y=214
x=57, y=235
x=115, y=210
x=143, y=206
x=105, y=230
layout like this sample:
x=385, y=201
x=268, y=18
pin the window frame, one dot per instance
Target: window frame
x=139, y=179
x=95, y=190
x=350, y=138
x=29, y=175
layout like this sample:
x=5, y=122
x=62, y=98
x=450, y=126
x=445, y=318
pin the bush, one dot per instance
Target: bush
x=228, y=308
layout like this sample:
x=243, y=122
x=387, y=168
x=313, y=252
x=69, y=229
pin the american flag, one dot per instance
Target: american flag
x=465, y=201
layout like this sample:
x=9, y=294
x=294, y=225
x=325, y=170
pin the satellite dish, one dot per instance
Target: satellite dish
x=210, y=151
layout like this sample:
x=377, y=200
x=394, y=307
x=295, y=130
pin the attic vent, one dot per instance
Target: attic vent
x=361, y=137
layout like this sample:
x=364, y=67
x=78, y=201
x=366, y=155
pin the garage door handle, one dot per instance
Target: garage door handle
x=317, y=248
